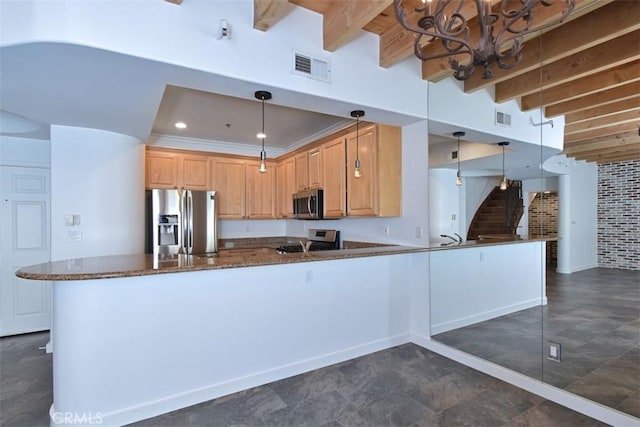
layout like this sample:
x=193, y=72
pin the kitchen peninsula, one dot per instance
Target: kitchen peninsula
x=136, y=336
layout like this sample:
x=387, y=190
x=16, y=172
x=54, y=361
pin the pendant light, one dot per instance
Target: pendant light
x=458, y=175
x=262, y=95
x=357, y=114
x=503, y=183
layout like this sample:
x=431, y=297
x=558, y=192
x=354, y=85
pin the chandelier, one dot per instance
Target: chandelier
x=499, y=33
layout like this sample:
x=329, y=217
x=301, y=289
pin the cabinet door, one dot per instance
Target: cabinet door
x=314, y=168
x=302, y=172
x=285, y=187
x=261, y=190
x=195, y=172
x=334, y=178
x=362, y=192
x=161, y=170
x=228, y=179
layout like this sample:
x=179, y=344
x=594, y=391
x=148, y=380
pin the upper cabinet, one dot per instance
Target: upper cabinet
x=378, y=190
x=170, y=169
x=228, y=179
x=308, y=166
x=285, y=187
x=244, y=192
x=335, y=184
x=261, y=191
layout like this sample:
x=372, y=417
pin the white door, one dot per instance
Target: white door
x=25, y=305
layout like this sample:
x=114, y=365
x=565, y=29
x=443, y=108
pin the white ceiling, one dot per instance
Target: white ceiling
x=216, y=117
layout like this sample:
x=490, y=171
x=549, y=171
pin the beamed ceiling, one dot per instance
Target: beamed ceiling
x=587, y=69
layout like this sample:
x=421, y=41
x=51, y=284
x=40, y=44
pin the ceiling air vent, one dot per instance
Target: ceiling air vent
x=503, y=119
x=314, y=68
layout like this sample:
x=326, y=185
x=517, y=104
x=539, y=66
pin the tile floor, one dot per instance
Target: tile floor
x=594, y=315
x=403, y=386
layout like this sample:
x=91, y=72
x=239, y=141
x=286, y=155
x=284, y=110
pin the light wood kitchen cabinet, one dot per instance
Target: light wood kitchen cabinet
x=261, y=191
x=161, y=170
x=169, y=169
x=285, y=187
x=302, y=171
x=314, y=167
x=378, y=191
x=194, y=171
x=228, y=179
x=335, y=187
x=308, y=167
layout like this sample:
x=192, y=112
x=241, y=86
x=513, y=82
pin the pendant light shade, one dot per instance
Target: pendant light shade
x=458, y=174
x=503, y=183
x=357, y=114
x=262, y=95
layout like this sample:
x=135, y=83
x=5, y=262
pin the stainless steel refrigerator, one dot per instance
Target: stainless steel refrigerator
x=181, y=222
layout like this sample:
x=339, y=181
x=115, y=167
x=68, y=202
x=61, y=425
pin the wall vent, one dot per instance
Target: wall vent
x=503, y=119
x=314, y=68
x=454, y=155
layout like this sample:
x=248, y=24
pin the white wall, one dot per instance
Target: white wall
x=98, y=175
x=473, y=284
x=450, y=105
x=577, y=217
x=24, y=152
x=444, y=204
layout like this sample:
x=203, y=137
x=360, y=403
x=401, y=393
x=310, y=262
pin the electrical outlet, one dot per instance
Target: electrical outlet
x=308, y=276
x=386, y=229
x=554, y=351
x=419, y=232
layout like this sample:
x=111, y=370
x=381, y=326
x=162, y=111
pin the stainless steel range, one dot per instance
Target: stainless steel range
x=318, y=240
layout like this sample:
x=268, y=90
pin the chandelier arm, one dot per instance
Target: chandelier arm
x=435, y=28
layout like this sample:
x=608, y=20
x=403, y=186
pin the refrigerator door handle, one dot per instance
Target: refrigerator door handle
x=189, y=222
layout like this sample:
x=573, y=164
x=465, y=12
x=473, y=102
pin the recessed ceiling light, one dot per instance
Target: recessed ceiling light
x=181, y=125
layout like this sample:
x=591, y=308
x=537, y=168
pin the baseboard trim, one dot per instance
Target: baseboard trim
x=484, y=316
x=580, y=404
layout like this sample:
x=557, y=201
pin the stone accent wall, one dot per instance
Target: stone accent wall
x=619, y=215
x=543, y=215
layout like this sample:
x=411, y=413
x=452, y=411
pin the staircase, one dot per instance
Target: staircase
x=499, y=214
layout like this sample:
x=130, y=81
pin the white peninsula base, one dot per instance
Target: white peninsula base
x=127, y=349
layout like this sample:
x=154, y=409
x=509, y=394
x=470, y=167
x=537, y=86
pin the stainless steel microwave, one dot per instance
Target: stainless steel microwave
x=308, y=204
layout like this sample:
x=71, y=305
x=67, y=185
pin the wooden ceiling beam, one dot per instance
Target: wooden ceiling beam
x=610, y=157
x=601, y=25
x=614, y=77
x=624, y=105
x=437, y=69
x=621, y=137
x=345, y=18
x=603, y=122
x=610, y=54
x=614, y=129
x=595, y=100
x=612, y=143
x=268, y=12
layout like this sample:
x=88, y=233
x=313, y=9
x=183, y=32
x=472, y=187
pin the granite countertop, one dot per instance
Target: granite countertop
x=145, y=264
